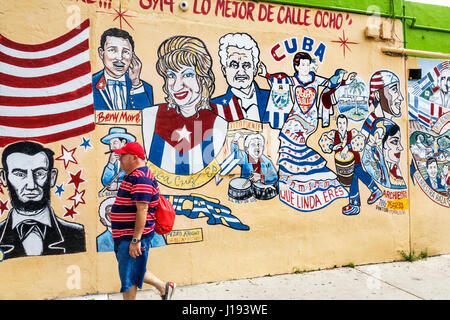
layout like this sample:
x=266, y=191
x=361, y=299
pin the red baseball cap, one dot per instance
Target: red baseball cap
x=133, y=148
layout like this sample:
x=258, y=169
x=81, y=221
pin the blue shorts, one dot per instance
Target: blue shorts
x=132, y=270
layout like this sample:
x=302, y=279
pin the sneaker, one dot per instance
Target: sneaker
x=374, y=196
x=170, y=288
x=350, y=210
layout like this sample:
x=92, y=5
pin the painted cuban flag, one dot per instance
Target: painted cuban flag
x=216, y=213
x=45, y=89
x=227, y=166
x=280, y=103
x=179, y=145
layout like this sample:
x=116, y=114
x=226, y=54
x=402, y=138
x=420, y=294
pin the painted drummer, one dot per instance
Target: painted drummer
x=347, y=144
x=255, y=166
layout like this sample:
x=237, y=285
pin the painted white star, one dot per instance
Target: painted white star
x=78, y=198
x=67, y=156
x=184, y=134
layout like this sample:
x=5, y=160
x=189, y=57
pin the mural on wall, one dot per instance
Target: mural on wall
x=327, y=99
x=429, y=123
x=305, y=182
x=183, y=150
x=45, y=97
x=32, y=228
x=45, y=93
x=105, y=241
x=353, y=100
x=347, y=145
x=239, y=59
x=116, y=88
x=196, y=206
x=172, y=133
x=197, y=135
x=258, y=176
x=119, y=86
x=383, y=148
x=112, y=174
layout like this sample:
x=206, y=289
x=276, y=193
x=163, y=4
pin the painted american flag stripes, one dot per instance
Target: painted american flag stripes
x=45, y=89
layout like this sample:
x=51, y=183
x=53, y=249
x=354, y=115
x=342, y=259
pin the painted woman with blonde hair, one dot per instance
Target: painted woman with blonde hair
x=185, y=64
x=183, y=135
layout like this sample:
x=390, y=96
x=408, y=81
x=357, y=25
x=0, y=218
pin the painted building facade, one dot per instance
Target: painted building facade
x=287, y=137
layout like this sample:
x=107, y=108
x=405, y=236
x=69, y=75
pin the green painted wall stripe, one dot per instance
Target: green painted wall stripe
x=417, y=37
x=427, y=15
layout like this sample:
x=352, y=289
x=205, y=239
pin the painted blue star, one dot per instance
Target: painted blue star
x=59, y=189
x=86, y=143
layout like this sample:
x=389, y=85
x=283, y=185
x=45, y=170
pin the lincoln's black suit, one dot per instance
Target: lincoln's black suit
x=62, y=237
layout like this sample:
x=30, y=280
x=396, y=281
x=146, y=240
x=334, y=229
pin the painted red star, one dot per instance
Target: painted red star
x=70, y=212
x=120, y=15
x=67, y=156
x=3, y=206
x=344, y=42
x=78, y=198
x=76, y=179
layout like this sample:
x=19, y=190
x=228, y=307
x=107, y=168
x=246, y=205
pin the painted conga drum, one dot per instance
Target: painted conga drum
x=344, y=168
x=240, y=189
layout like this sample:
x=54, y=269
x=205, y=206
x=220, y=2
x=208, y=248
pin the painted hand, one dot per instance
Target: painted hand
x=262, y=69
x=350, y=77
x=255, y=177
x=134, y=71
x=237, y=136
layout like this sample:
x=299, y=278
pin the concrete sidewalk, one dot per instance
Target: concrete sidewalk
x=427, y=279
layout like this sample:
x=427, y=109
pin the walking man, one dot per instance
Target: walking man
x=133, y=223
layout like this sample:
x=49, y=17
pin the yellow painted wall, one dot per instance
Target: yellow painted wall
x=280, y=239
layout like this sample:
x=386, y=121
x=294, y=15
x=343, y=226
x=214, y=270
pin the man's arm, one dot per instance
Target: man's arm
x=326, y=141
x=139, y=225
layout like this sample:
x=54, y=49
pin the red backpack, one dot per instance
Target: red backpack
x=165, y=216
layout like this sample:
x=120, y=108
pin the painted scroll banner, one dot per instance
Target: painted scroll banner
x=185, y=182
x=317, y=197
x=441, y=123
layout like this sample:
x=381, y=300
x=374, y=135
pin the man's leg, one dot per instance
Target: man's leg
x=165, y=289
x=370, y=183
x=130, y=294
x=151, y=279
x=353, y=207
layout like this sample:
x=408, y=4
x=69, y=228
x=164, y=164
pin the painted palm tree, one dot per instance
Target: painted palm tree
x=356, y=88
